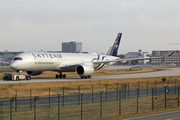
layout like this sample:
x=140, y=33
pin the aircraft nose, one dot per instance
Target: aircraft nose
x=14, y=66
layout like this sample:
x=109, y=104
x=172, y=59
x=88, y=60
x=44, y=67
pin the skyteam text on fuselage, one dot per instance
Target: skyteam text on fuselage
x=46, y=55
x=83, y=64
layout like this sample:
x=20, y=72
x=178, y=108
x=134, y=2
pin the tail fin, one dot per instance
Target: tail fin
x=114, y=48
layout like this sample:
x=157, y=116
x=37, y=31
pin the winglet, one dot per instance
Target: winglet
x=114, y=48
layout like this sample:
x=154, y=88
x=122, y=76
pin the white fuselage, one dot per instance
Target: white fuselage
x=54, y=61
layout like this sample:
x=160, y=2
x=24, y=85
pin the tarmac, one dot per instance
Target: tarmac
x=160, y=73
x=173, y=115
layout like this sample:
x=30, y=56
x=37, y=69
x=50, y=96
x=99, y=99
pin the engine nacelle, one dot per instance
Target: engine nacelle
x=84, y=70
x=34, y=73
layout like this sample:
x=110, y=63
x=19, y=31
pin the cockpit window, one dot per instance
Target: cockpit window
x=18, y=58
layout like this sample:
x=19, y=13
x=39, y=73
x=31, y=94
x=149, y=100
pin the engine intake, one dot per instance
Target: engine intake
x=84, y=70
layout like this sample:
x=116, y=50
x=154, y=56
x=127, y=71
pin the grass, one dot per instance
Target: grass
x=90, y=111
x=71, y=87
x=110, y=109
x=2, y=68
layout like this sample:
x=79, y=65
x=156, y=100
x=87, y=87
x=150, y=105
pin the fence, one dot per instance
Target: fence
x=120, y=101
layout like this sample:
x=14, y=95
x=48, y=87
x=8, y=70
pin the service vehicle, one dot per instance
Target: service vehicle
x=10, y=76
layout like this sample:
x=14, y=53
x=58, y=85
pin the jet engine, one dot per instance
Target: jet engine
x=34, y=73
x=84, y=70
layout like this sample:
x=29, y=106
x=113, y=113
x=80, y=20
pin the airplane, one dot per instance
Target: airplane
x=84, y=65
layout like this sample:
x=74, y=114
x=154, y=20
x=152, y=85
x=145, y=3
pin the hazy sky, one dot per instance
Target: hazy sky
x=32, y=25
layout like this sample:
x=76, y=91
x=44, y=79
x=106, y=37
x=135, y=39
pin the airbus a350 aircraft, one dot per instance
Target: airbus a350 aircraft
x=83, y=64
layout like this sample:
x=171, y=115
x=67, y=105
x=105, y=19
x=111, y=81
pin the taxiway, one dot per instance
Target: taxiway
x=160, y=73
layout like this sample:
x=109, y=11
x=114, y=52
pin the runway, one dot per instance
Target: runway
x=162, y=72
x=173, y=115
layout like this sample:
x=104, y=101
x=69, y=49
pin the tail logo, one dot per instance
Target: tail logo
x=116, y=45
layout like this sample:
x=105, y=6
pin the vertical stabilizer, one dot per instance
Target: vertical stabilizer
x=114, y=48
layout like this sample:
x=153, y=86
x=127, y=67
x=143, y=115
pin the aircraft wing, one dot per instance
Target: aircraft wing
x=125, y=59
x=128, y=59
x=93, y=64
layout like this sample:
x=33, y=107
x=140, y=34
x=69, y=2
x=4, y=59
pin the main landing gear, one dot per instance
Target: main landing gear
x=85, y=77
x=60, y=76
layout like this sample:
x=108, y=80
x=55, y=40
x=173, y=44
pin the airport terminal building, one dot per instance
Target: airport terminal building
x=72, y=47
x=136, y=55
x=6, y=57
x=172, y=60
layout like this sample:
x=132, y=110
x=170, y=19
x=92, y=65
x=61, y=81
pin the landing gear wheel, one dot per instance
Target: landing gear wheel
x=56, y=76
x=85, y=77
x=28, y=78
x=17, y=78
x=64, y=76
x=60, y=76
